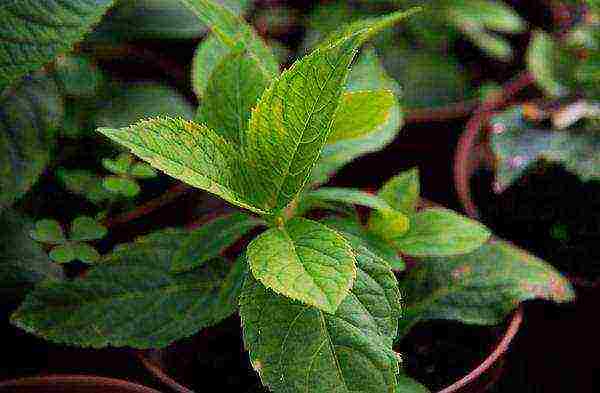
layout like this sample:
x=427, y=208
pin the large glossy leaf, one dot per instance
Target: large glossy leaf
x=517, y=144
x=233, y=90
x=137, y=101
x=366, y=74
x=298, y=348
x=29, y=116
x=306, y=261
x=33, y=32
x=479, y=288
x=132, y=298
x=441, y=232
x=211, y=239
x=23, y=263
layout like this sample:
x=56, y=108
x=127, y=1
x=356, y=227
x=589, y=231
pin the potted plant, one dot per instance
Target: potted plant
x=311, y=278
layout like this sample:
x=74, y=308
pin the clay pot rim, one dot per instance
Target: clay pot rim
x=502, y=346
x=77, y=379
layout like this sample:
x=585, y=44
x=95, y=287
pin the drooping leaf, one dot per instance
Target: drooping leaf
x=441, y=232
x=156, y=19
x=193, y=154
x=306, y=261
x=479, y=288
x=229, y=30
x=133, y=102
x=297, y=348
x=233, y=90
x=366, y=74
x=361, y=113
x=297, y=112
x=132, y=299
x=86, y=229
x=30, y=114
x=35, y=32
x=48, y=231
x=402, y=192
x=23, y=263
x=121, y=186
x=84, y=183
x=211, y=239
x=517, y=144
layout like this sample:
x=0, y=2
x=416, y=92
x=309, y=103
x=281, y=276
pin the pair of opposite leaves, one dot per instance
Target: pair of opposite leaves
x=263, y=166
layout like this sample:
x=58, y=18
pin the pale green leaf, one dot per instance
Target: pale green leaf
x=136, y=101
x=48, y=231
x=490, y=14
x=230, y=30
x=33, y=33
x=141, y=170
x=441, y=232
x=23, y=263
x=121, y=186
x=193, y=154
x=350, y=196
x=132, y=299
x=542, y=62
x=479, y=288
x=119, y=165
x=234, y=88
x=408, y=385
x=85, y=229
x=366, y=74
x=211, y=239
x=64, y=253
x=297, y=348
x=361, y=113
x=402, y=192
x=306, y=261
x=30, y=114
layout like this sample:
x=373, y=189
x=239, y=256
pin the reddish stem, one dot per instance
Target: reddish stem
x=467, y=141
x=60, y=383
x=148, y=207
x=440, y=114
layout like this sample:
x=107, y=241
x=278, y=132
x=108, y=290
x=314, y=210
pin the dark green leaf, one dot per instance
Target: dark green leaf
x=141, y=170
x=85, y=229
x=84, y=183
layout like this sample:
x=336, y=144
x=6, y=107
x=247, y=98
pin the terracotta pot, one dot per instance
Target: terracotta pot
x=478, y=380
x=71, y=384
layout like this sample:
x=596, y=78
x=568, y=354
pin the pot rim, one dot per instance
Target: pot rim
x=156, y=369
x=76, y=379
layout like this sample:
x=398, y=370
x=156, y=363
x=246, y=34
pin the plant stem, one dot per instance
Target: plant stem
x=440, y=114
x=148, y=207
x=462, y=166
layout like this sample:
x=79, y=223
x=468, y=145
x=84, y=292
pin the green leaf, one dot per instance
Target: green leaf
x=542, y=62
x=297, y=112
x=141, y=170
x=121, y=185
x=78, y=76
x=155, y=19
x=86, y=229
x=350, y=196
x=23, y=263
x=298, y=348
x=366, y=74
x=230, y=30
x=193, y=154
x=85, y=253
x=305, y=261
x=133, y=102
x=119, y=165
x=84, y=183
x=358, y=236
x=64, y=253
x=29, y=116
x=479, y=288
x=132, y=299
x=48, y=231
x=517, y=144
x=34, y=33
x=408, y=385
x=361, y=113
x=441, y=232
x=211, y=239
x=233, y=90
x=402, y=192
